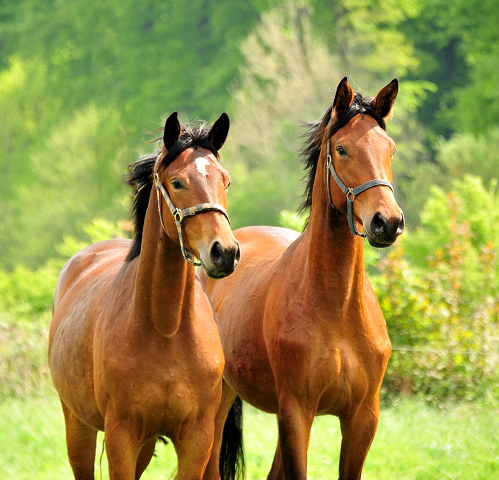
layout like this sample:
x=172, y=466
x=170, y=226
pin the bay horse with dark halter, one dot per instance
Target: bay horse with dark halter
x=302, y=330
x=134, y=345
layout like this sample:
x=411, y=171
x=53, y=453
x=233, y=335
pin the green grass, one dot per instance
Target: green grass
x=414, y=441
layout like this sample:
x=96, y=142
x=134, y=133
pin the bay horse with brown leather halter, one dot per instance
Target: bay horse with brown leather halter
x=302, y=330
x=134, y=345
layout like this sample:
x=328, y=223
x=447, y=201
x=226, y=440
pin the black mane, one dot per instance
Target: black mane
x=311, y=149
x=141, y=175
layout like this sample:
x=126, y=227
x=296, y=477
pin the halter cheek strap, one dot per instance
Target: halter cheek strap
x=180, y=213
x=350, y=193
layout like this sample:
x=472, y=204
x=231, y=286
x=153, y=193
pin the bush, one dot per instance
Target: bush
x=443, y=317
x=26, y=298
x=23, y=354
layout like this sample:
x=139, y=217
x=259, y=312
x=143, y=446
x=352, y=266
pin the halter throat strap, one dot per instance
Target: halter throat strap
x=350, y=193
x=180, y=213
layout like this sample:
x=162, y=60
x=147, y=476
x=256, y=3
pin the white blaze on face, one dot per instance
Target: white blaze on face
x=201, y=164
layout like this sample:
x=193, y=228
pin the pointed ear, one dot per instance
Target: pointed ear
x=219, y=131
x=385, y=100
x=343, y=98
x=172, y=130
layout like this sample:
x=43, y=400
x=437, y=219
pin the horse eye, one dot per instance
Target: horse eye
x=177, y=185
x=341, y=151
x=228, y=185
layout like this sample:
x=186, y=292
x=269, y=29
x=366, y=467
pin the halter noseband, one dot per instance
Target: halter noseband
x=180, y=213
x=350, y=193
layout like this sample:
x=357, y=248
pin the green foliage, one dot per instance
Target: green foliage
x=24, y=292
x=75, y=109
x=456, y=44
x=287, y=68
x=292, y=220
x=26, y=298
x=285, y=71
x=100, y=229
x=78, y=170
x=443, y=311
x=470, y=202
x=466, y=153
x=24, y=369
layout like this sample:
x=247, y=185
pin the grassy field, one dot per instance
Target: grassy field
x=414, y=441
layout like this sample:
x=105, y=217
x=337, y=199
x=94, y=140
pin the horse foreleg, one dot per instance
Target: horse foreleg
x=277, y=470
x=193, y=448
x=212, y=471
x=295, y=423
x=357, y=436
x=122, y=450
x=80, y=440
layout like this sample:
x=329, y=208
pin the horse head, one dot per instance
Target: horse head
x=359, y=159
x=193, y=185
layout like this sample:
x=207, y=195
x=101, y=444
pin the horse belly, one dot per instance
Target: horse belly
x=252, y=379
x=71, y=365
x=79, y=291
x=247, y=367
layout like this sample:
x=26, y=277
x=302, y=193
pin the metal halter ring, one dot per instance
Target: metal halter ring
x=179, y=214
x=348, y=190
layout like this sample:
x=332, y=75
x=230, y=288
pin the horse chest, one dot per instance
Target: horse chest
x=335, y=362
x=163, y=389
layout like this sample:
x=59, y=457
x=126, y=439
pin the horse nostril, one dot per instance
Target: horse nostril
x=401, y=225
x=378, y=224
x=216, y=253
x=238, y=253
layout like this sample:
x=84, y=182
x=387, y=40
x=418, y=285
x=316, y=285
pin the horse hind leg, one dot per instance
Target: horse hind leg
x=227, y=437
x=81, y=443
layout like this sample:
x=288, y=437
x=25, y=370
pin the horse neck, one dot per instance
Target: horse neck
x=334, y=255
x=164, y=293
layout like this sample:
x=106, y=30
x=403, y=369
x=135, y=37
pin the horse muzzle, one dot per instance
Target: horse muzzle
x=382, y=232
x=221, y=260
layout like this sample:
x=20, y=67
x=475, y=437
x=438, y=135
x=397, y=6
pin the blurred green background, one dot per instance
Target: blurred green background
x=81, y=84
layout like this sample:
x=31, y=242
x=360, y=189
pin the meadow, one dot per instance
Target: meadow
x=415, y=441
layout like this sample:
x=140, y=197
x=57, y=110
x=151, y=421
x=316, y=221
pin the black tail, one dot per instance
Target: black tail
x=232, y=454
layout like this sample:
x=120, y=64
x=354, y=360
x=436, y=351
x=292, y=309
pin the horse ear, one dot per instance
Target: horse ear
x=385, y=100
x=219, y=131
x=343, y=98
x=172, y=130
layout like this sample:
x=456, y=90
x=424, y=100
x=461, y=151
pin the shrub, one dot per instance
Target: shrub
x=23, y=354
x=443, y=317
x=26, y=298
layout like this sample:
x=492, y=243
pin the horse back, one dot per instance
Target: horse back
x=88, y=260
